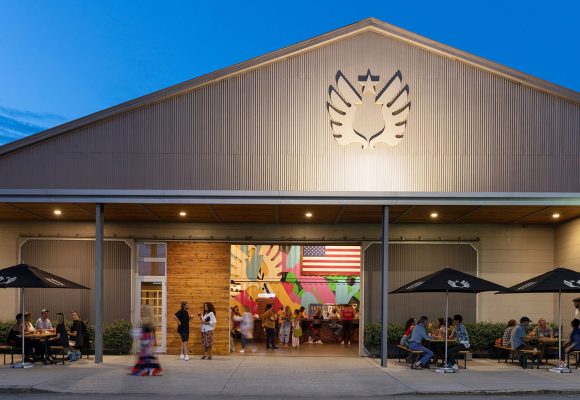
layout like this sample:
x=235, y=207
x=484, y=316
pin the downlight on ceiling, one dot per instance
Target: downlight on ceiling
x=308, y=214
x=182, y=213
x=57, y=212
x=556, y=215
x=434, y=215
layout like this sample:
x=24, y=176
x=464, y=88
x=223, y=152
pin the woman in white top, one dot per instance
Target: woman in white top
x=208, y=322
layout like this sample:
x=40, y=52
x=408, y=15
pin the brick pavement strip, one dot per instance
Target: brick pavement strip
x=299, y=376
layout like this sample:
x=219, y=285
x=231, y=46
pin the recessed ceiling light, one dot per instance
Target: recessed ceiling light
x=182, y=213
x=556, y=215
x=434, y=215
x=308, y=215
x=57, y=212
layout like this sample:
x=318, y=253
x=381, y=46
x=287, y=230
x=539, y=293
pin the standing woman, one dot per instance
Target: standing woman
x=208, y=321
x=296, y=329
x=182, y=317
x=285, y=325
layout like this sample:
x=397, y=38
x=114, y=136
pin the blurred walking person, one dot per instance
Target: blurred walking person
x=247, y=331
x=147, y=363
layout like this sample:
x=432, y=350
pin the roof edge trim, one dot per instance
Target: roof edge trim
x=369, y=24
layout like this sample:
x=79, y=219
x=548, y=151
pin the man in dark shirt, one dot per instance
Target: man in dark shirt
x=182, y=317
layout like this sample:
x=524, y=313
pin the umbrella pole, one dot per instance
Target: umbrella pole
x=446, y=369
x=23, y=321
x=559, y=368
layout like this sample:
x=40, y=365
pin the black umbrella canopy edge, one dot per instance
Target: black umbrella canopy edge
x=525, y=287
x=37, y=278
x=421, y=285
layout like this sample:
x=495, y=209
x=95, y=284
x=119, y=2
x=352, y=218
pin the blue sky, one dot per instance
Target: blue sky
x=61, y=60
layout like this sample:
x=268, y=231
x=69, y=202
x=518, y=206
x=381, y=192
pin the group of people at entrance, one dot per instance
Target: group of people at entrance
x=417, y=333
x=72, y=340
x=288, y=326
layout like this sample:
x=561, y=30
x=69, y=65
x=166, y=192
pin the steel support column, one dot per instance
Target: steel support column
x=99, y=278
x=384, y=285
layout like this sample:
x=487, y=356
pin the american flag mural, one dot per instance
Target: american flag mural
x=331, y=260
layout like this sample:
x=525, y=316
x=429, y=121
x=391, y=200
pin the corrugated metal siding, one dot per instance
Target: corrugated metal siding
x=75, y=260
x=268, y=129
x=408, y=262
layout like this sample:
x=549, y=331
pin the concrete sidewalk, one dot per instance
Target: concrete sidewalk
x=297, y=376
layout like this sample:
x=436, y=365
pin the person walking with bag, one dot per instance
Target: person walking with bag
x=208, y=322
x=182, y=317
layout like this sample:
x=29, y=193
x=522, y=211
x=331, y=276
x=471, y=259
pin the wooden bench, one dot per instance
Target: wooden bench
x=507, y=351
x=7, y=349
x=576, y=354
x=414, y=354
x=58, y=350
x=464, y=353
x=511, y=353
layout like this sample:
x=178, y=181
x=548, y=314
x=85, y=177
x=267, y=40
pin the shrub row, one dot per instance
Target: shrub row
x=116, y=335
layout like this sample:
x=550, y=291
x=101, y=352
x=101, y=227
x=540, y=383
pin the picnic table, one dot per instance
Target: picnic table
x=43, y=337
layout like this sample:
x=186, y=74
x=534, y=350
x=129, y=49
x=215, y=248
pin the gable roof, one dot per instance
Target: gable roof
x=369, y=24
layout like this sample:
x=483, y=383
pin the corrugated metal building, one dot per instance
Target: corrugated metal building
x=370, y=128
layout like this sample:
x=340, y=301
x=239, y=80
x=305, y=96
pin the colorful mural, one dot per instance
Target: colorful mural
x=273, y=272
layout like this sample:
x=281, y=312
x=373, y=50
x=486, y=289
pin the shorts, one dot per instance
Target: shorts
x=184, y=336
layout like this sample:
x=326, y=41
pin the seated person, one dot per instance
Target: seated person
x=416, y=343
x=518, y=339
x=79, y=332
x=574, y=343
x=61, y=339
x=333, y=323
x=506, y=340
x=43, y=323
x=462, y=337
x=14, y=338
x=28, y=327
x=316, y=326
x=542, y=329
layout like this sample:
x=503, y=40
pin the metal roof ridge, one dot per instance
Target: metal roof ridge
x=368, y=24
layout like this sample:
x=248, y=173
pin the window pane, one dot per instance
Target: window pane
x=151, y=250
x=146, y=268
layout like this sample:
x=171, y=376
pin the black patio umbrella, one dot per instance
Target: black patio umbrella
x=445, y=281
x=559, y=280
x=25, y=276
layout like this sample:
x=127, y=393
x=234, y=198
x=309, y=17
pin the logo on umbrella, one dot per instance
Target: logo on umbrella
x=572, y=284
x=7, y=280
x=459, y=285
x=527, y=285
x=54, y=281
x=414, y=285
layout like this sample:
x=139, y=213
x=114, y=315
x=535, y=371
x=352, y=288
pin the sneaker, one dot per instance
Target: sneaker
x=242, y=351
x=186, y=358
x=342, y=342
x=181, y=357
x=349, y=342
x=417, y=365
x=455, y=366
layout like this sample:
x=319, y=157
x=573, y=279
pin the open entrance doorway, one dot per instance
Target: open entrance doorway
x=321, y=279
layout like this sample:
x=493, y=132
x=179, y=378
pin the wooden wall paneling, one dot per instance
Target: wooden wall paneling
x=198, y=273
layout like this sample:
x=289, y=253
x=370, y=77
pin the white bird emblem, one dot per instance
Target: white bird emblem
x=368, y=117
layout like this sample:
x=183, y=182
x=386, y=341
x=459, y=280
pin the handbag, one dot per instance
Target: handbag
x=297, y=332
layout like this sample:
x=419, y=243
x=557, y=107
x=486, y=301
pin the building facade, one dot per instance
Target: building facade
x=370, y=129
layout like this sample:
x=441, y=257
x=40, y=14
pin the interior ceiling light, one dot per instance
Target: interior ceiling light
x=434, y=215
x=57, y=212
x=308, y=214
x=182, y=213
x=556, y=215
